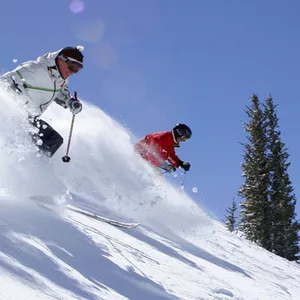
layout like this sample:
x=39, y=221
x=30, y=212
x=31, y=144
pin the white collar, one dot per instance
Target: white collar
x=174, y=138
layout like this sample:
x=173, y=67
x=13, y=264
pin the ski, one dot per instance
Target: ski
x=104, y=219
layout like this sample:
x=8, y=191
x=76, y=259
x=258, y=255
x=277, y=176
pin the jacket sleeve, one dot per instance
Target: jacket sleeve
x=173, y=159
x=63, y=98
x=154, y=150
x=20, y=75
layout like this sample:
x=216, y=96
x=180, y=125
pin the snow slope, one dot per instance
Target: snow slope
x=177, y=253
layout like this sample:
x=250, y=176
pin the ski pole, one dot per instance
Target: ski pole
x=182, y=181
x=67, y=158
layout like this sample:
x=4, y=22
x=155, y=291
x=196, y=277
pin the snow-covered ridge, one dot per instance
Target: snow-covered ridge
x=177, y=253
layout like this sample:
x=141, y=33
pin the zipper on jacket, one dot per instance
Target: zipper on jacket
x=54, y=91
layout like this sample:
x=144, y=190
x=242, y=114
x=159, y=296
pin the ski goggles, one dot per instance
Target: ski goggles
x=73, y=65
x=183, y=134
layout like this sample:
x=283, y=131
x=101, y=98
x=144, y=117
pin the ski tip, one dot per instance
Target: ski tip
x=113, y=222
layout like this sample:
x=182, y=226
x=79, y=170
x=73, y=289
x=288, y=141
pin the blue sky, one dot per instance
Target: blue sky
x=153, y=63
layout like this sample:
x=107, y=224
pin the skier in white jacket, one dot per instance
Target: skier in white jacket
x=39, y=83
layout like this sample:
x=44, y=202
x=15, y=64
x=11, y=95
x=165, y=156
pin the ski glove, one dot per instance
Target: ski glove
x=75, y=106
x=167, y=167
x=185, y=165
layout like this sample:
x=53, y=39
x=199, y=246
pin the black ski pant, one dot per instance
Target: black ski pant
x=47, y=139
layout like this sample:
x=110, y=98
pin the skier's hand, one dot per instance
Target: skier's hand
x=167, y=167
x=185, y=166
x=75, y=106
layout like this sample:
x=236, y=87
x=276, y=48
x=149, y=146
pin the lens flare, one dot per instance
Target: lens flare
x=105, y=56
x=76, y=6
x=90, y=30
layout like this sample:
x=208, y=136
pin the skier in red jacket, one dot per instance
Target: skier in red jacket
x=157, y=148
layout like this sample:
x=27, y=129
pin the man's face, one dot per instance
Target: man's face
x=67, y=67
x=182, y=139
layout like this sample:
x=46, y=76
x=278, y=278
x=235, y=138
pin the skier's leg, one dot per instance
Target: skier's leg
x=47, y=139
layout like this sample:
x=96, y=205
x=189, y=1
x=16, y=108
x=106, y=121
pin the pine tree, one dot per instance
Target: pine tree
x=285, y=227
x=231, y=218
x=255, y=214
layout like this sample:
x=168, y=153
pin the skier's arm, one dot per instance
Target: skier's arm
x=18, y=76
x=65, y=100
x=158, y=152
x=154, y=152
x=173, y=159
x=176, y=162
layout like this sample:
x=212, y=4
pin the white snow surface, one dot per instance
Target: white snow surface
x=178, y=251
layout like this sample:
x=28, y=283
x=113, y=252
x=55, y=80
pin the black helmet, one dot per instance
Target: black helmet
x=182, y=130
x=73, y=52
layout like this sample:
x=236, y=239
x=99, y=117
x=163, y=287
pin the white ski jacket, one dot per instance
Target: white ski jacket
x=39, y=84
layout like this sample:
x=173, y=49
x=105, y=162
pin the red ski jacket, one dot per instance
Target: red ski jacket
x=158, y=147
